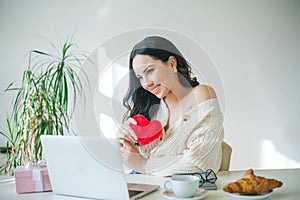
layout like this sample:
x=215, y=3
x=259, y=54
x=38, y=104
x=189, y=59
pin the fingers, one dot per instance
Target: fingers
x=126, y=132
x=132, y=121
x=129, y=129
x=126, y=136
x=126, y=146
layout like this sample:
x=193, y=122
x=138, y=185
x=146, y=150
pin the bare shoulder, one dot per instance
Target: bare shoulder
x=204, y=92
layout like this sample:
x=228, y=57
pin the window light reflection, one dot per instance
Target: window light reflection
x=272, y=159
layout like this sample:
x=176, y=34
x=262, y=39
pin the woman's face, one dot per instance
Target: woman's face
x=154, y=75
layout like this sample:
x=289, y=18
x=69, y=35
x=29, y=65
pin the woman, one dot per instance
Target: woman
x=161, y=87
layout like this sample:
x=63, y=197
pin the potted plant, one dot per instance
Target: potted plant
x=43, y=104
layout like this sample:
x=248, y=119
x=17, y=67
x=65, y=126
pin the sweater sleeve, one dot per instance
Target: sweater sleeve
x=204, y=147
x=201, y=150
x=169, y=165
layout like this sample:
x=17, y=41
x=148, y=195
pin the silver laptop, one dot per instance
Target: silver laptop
x=89, y=167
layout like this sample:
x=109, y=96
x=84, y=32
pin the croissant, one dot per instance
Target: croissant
x=252, y=184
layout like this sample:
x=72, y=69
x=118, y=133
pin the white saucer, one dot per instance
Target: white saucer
x=252, y=197
x=200, y=194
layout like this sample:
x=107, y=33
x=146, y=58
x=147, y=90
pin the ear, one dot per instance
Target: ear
x=172, y=62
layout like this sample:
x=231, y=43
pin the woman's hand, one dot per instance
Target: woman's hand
x=126, y=133
x=131, y=157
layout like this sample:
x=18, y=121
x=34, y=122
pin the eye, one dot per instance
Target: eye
x=150, y=70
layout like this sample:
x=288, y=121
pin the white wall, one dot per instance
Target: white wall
x=254, y=44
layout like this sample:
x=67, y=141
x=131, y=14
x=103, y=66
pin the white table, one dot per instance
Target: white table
x=289, y=191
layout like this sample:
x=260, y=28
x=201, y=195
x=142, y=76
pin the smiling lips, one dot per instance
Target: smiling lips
x=155, y=90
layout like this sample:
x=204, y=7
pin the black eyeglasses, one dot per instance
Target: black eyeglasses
x=207, y=176
x=207, y=179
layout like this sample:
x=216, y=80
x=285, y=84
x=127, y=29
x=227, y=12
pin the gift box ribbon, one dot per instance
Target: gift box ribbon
x=37, y=175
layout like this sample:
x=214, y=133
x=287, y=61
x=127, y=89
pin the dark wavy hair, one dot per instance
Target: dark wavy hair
x=138, y=100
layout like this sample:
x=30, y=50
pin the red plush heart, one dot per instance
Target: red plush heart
x=147, y=131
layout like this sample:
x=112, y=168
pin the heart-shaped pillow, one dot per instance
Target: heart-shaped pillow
x=147, y=131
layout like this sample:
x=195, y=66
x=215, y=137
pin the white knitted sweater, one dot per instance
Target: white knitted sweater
x=192, y=144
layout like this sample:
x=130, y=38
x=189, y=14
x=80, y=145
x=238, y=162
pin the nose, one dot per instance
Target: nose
x=146, y=82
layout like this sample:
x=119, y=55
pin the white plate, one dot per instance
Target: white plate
x=200, y=194
x=253, y=196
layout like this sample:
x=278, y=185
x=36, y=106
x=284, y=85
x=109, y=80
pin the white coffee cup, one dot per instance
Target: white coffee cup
x=182, y=185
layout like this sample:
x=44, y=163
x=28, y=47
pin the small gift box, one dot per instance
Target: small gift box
x=32, y=178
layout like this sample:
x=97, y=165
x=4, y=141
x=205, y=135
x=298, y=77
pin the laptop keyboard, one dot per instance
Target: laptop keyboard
x=134, y=192
x=131, y=191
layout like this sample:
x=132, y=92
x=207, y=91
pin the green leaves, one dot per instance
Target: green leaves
x=41, y=105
